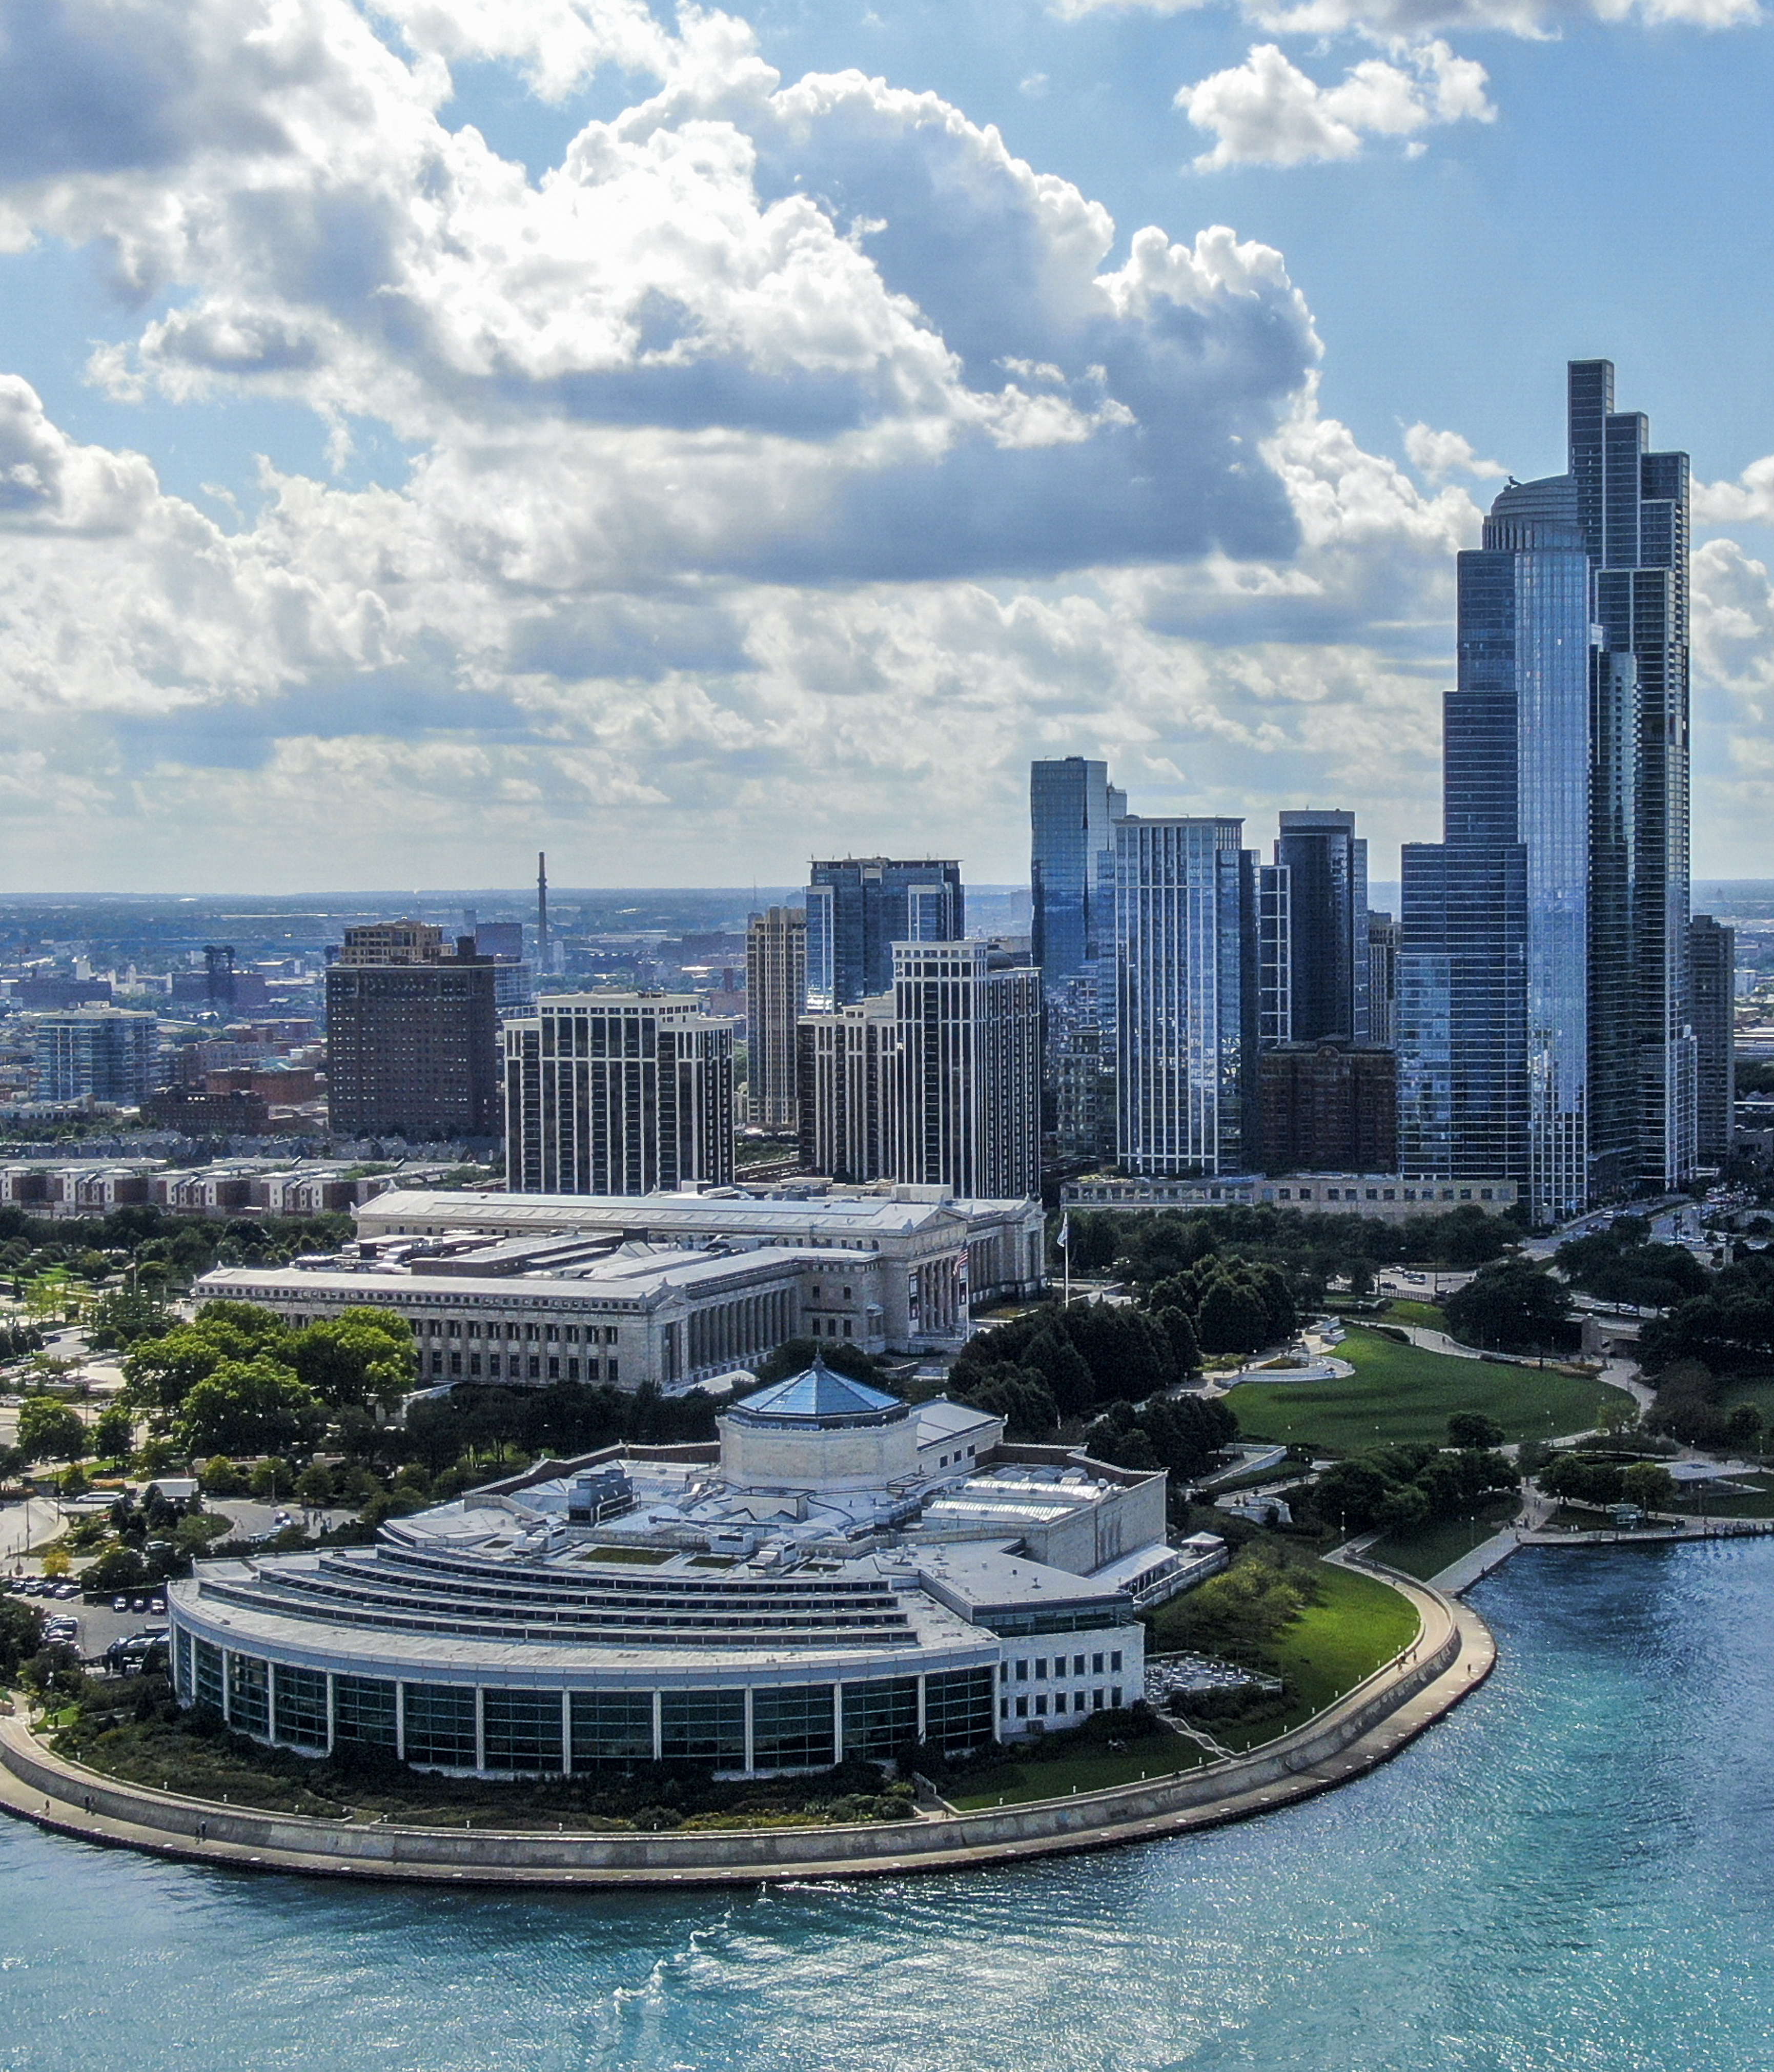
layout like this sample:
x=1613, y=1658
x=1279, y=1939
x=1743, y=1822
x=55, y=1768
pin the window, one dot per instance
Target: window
x=1096, y=1665
x=1115, y=1665
x=208, y=1678
x=473, y=1365
x=248, y=1694
x=455, y=1364
x=609, y=1370
x=1096, y=1701
x=1077, y=1665
x=440, y=1725
x=590, y=1370
x=1041, y=1669
x=523, y=1730
x=849, y=1329
x=1059, y=1701
x=1116, y=1695
x=612, y=1729
x=554, y=1370
x=1022, y=1672
x=535, y=1366
x=1022, y=1708
x=609, y=1334
x=703, y=1726
x=957, y=1708
x=1041, y=1704
x=492, y=1366
x=792, y=1727
x=181, y=1663
x=572, y=1369
x=573, y=1335
x=880, y=1716
x=363, y=1712
x=300, y=1706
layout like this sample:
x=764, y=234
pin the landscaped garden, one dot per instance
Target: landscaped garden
x=1400, y=1395
x=1427, y=1549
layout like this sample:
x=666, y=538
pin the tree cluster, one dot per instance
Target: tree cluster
x=564, y=1419
x=1621, y=1264
x=237, y=1379
x=1687, y=1408
x=1729, y=1329
x=1229, y=1304
x=1238, y=1616
x=1513, y=1306
x=1402, y=1488
x=1063, y=1363
x=1184, y=1434
x=1592, y=1478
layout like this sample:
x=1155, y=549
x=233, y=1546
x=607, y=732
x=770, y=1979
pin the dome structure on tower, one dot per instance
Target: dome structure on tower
x=819, y=1430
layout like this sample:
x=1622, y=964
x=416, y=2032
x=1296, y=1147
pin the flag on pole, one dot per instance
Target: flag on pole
x=1064, y=1239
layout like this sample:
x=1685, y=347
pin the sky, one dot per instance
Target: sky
x=692, y=442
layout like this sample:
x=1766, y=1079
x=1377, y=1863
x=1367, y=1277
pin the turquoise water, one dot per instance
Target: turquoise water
x=1576, y=1871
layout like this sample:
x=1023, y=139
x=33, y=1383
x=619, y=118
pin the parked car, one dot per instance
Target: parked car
x=120, y=1604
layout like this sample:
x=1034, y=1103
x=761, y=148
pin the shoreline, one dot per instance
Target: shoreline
x=1454, y=1654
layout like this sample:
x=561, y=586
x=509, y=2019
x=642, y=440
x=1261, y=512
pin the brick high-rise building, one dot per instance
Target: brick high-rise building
x=412, y=1037
x=1327, y=1108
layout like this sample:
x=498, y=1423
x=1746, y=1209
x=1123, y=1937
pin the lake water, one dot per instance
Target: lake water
x=1575, y=1871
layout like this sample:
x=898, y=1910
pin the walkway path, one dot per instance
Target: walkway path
x=1452, y=1655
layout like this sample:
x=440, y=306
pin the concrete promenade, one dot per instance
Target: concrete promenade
x=1453, y=1653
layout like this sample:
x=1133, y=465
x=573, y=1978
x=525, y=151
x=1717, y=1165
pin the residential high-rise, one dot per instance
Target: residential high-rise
x=775, y=993
x=1275, y=955
x=1327, y=864
x=846, y=1076
x=100, y=1054
x=618, y=1093
x=542, y=947
x=858, y=907
x=1327, y=1108
x=1382, y=980
x=936, y=1083
x=968, y=1107
x=412, y=1037
x=1542, y=944
x=1185, y=996
x=1633, y=507
x=1711, y=990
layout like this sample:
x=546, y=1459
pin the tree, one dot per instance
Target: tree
x=1650, y=1485
x=794, y=1356
x=314, y=1486
x=1352, y=1492
x=1403, y=1508
x=366, y=1356
x=1515, y=1305
x=219, y=1476
x=1178, y=1326
x=21, y=1636
x=270, y=1479
x=1060, y=1363
x=116, y=1568
x=1582, y=1478
x=255, y=1406
x=1233, y=1318
x=113, y=1435
x=122, y=1317
x=1020, y=1397
x=1472, y=1429
x=1240, y=1613
x=50, y=1431
x=1743, y=1428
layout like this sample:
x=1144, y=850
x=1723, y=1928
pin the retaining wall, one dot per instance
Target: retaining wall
x=81, y=1800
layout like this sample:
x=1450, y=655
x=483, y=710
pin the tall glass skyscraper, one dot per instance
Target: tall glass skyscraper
x=1633, y=507
x=858, y=907
x=1543, y=1032
x=1327, y=866
x=1071, y=805
x=1185, y=996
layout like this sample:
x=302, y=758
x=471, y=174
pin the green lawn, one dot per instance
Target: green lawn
x=1438, y=1545
x=1429, y=1315
x=1358, y=1623
x=1758, y=1389
x=1400, y=1394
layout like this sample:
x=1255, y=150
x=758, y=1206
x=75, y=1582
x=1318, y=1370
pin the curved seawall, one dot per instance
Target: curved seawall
x=1453, y=1653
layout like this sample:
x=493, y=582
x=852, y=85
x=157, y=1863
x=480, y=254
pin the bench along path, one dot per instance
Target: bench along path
x=1452, y=1654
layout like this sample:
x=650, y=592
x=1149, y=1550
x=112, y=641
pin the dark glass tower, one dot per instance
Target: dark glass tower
x=1071, y=805
x=1632, y=507
x=1327, y=866
x=858, y=907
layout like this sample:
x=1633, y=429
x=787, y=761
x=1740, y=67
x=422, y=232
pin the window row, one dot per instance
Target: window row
x=519, y=1366
x=548, y=1333
x=1036, y=1669
x=458, y=1726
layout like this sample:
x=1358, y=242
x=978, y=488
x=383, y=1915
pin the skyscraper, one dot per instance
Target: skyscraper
x=1327, y=866
x=1382, y=980
x=1541, y=1028
x=101, y=1053
x=968, y=1111
x=776, y=995
x=618, y=1093
x=1632, y=505
x=858, y=907
x=1185, y=996
x=1072, y=808
x=412, y=1036
x=937, y=1083
x=1712, y=1006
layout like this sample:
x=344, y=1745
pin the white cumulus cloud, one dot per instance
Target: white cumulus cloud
x=1439, y=455
x=1267, y=112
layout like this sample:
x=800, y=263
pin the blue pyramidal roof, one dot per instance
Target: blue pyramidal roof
x=820, y=1396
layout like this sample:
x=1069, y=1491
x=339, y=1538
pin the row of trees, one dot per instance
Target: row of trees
x=1592, y=1478
x=1513, y=1306
x=1729, y=1329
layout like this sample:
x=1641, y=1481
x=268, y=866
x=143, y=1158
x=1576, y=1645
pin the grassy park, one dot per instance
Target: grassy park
x=1356, y=1625
x=1440, y=1542
x=1426, y=1316
x=1399, y=1394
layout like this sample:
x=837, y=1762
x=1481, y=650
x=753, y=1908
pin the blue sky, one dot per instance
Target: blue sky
x=687, y=442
